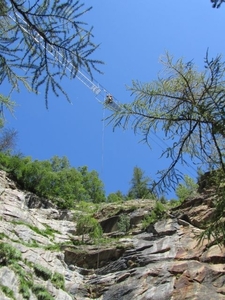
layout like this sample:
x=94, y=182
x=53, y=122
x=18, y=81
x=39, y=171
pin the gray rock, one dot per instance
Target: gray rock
x=164, y=262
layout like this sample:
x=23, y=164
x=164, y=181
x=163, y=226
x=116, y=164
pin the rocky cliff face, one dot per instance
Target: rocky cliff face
x=40, y=255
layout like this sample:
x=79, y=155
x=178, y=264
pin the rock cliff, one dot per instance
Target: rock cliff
x=41, y=256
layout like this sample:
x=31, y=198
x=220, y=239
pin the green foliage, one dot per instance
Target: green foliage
x=163, y=199
x=18, y=269
x=174, y=202
x=123, y=223
x=53, y=247
x=59, y=163
x=58, y=280
x=187, y=106
x=156, y=214
x=86, y=224
x=25, y=280
x=159, y=209
x=148, y=220
x=7, y=291
x=139, y=185
x=5, y=142
x=92, y=185
x=43, y=39
x=42, y=272
x=214, y=229
x=116, y=197
x=87, y=207
x=48, y=231
x=54, y=179
x=24, y=290
x=187, y=189
x=2, y=235
x=8, y=254
x=41, y=292
x=7, y=104
x=7, y=136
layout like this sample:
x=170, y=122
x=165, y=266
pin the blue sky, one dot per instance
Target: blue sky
x=132, y=36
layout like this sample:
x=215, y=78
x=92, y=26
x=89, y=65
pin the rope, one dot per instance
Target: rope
x=103, y=139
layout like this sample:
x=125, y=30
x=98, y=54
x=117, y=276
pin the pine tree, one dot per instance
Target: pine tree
x=39, y=40
x=139, y=185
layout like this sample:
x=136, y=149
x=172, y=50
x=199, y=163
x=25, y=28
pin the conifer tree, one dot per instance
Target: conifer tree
x=187, y=107
x=39, y=40
x=139, y=185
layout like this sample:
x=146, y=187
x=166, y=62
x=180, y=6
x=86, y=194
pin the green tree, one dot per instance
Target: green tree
x=54, y=179
x=139, y=185
x=43, y=41
x=64, y=187
x=59, y=163
x=93, y=185
x=188, y=107
x=187, y=189
x=123, y=223
x=86, y=224
x=116, y=197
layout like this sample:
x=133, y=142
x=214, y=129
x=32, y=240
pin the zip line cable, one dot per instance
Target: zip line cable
x=101, y=94
x=99, y=91
x=103, y=140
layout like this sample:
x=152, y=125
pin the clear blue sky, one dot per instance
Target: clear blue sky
x=132, y=36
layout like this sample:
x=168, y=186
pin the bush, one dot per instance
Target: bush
x=24, y=290
x=117, y=197
x=187, y=189
x=58, y=281
x=123, y=223
x=41, y=292
x=7, y=291
x=156, y=214
x=8, y=254
x=42, y=272
x=86, y=224
x=54, y=179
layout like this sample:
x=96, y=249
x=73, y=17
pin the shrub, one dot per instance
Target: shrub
x=24, y=290
x=117, y=197
x=58, y=280
x=187, y=189
x=123, y=223
x=41, y=292
x=25, y=282
x=7, y=291
x=42, y=272
x=156, y=214
x=8, y=254
x=88, y=225
x=54, y=179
